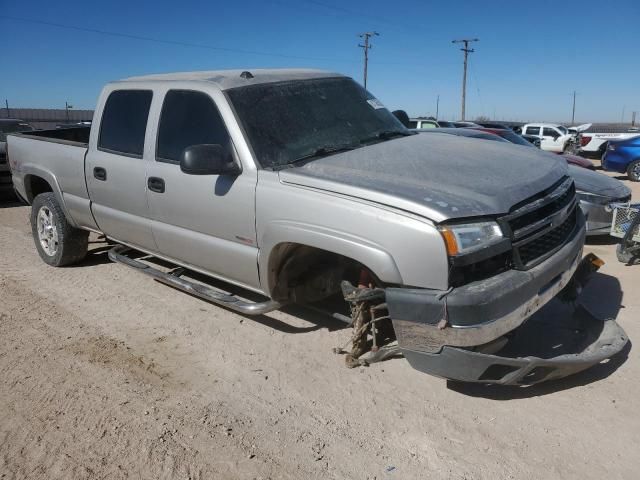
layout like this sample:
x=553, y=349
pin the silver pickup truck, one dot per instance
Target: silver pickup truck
x=299, y=185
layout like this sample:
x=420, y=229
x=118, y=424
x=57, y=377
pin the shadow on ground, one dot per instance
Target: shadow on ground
x=602, y=296
x=318, y=315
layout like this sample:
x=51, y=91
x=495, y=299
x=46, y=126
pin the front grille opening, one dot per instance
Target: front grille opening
x=548, y=242
x=543, y=212
x=536, y=375
x=497, y=372
x=461, y=275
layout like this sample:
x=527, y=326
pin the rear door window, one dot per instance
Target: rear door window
x=533, y=131
x=188, y=118
x=124, y=122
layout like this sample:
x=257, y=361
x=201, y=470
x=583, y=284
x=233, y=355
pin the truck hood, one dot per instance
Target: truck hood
x=436, y=176
x=598, y=184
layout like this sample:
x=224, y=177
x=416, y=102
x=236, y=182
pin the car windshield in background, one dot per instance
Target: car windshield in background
x=514, y=138
x=293, y=121
x=6, y=128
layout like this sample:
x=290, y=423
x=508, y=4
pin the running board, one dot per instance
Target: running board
x=117, y=254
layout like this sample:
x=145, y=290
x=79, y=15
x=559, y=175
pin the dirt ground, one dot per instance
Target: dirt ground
x=105, y=373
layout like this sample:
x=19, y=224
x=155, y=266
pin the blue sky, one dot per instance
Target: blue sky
x=530, y=58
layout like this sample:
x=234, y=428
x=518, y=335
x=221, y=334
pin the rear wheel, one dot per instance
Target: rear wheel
x=57, y=242
x=633, y=171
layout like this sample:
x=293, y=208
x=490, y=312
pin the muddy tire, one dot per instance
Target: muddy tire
x=57, y=242
x=633, y=171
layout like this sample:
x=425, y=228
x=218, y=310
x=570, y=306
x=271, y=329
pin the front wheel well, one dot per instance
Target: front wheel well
x=302, y=273
x=34, y=186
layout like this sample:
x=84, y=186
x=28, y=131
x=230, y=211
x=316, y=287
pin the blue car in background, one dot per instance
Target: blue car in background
x=623, y=156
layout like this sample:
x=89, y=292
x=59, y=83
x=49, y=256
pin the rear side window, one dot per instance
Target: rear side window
x=533, y=131
x=188, y=118
x=124, y=122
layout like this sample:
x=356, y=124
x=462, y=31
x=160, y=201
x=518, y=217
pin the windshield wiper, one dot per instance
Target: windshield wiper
x=323, y=151
x=386, y=135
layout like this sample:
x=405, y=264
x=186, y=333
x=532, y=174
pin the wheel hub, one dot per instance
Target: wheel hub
x=47, y=231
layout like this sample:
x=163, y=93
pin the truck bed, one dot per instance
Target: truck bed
x=38, y=153
x=72, y=134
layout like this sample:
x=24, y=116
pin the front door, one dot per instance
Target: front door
x=116, y=171
x=550, y=136
x=207, y=221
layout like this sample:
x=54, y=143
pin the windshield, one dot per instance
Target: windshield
x=6, y=127
x=514, y=138
x=289, y=121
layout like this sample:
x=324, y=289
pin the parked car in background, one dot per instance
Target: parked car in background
x=593, y=143
x=513, y=137
x=493, y=125
x=464, y=132
x=623, y=156
x=8, y=125
x=423, y=123
x=553, y=137
x=465, y=124
x=594, y=190
x=446, y=124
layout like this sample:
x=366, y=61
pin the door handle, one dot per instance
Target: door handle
x=155, y=184
x=100, y=173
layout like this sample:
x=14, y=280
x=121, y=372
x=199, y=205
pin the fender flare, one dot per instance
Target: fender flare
x=30, y=170
x=373, y=256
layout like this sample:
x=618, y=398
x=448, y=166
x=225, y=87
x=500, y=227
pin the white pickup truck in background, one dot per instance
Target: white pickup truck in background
x=553, y=137
x=593, y=141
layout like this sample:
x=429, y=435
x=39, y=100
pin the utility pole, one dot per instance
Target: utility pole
x=573, y=113
x=437, y=106
x=633, y=119
x=6, y=105
x=67, y=106
x=366, y=47
x=466, y=51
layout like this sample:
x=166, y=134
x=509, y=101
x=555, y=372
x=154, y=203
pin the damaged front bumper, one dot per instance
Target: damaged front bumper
x=482, y=319
x=574, y=343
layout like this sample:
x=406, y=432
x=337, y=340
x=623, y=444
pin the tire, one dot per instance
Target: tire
x=626, y=257
x=633, y=171
x=58, y=243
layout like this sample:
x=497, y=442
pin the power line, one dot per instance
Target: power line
x=160, y=40
x=466, y=51
x=366, y=47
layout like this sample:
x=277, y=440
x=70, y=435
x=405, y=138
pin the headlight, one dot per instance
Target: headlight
x=469, y=237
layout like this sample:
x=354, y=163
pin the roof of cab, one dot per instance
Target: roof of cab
x=226, y=79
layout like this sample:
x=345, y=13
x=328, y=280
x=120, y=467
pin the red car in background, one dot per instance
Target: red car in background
x=513, y=137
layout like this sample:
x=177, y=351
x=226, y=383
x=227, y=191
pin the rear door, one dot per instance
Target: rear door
x=532, y=130
x=207, y=221
x=115, y=170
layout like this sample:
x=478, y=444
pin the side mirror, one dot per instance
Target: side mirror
x=208, y=159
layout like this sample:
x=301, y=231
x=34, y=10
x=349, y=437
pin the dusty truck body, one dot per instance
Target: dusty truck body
x=289, y=183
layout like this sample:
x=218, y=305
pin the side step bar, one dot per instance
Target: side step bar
x=117, y=254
